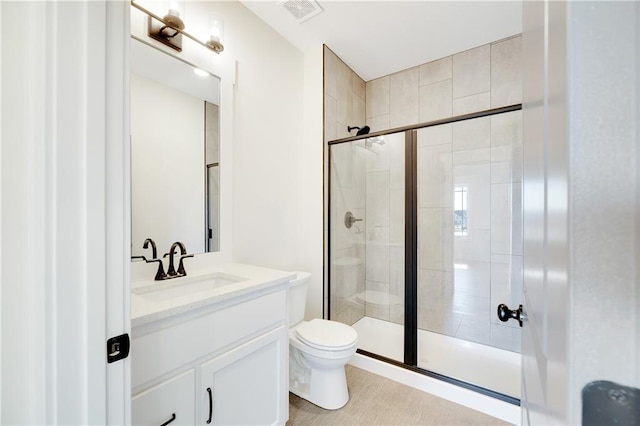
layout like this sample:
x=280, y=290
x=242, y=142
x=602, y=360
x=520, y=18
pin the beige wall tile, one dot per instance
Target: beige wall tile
x=435, y=180
x=435, y=238
x=471, y=72
x=345, y=94
x=477, y=179
x=516, y=219
x=501, y=218
x=435, y=71
x=377, y=202
x=472, y=134
x=379, y=123
x=473, y=103
x=506, y=72
x=395, y=144
x=341, y=130
x=396, y=216
x=435, y=135
x=506, y=129
x=330, y=73
x=358, y=85
x=482, y=155
x=341, y=156
x=358, y=111
x=330, y=116
x=435, y=101
x=476, y=247
x=403, y=98
x=377, y=97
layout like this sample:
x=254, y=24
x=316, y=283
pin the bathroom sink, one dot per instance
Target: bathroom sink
x=161, y=291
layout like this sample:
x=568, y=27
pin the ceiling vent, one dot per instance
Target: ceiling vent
x=302, y=9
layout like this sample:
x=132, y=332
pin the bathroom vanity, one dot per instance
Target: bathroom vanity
x=211, y=348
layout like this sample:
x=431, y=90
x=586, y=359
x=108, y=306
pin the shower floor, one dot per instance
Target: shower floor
x=485, y=366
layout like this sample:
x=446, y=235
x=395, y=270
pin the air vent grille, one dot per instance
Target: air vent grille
x=302, y=9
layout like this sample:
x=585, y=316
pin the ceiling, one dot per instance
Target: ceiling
x=377, y=38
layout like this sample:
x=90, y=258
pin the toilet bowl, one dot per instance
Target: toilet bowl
x=318, y=351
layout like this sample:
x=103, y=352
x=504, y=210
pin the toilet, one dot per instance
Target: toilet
x=318, y=351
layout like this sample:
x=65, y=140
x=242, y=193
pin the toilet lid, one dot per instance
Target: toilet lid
x=327, y=335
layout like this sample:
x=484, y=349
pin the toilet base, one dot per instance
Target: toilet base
x=328, y=390
x=324, y=387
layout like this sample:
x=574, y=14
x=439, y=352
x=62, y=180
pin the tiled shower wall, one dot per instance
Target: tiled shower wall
x=457, y=302
x=344, y=93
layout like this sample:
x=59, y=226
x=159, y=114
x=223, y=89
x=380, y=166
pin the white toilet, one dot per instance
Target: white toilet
x=318, y=351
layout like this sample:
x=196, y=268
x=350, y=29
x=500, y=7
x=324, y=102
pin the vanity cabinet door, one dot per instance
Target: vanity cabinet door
x=248, y=384
x=172, y=402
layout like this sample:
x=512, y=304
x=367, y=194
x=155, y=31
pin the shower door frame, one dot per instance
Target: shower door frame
x=411, y=245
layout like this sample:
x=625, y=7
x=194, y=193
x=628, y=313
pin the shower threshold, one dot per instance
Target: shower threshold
x=497, y=370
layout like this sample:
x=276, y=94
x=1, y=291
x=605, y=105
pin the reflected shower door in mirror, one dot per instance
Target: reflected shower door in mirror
x=174, y=143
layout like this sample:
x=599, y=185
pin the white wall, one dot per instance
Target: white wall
x=277, y=159
x=271, y=158
x=267, y=128
x=309, y=243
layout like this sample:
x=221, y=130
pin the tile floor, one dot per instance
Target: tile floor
x=376, y=400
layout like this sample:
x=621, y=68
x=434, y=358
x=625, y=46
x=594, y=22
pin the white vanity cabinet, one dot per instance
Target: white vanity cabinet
x=170, y=402
x=243, y=386
x=224, y=363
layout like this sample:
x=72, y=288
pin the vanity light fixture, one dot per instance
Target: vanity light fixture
x=169, y=30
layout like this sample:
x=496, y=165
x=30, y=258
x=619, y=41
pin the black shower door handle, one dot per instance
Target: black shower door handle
x=505, y=314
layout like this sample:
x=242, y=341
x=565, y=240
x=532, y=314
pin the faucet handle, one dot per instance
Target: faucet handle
x=160, y=275
x=181, y=270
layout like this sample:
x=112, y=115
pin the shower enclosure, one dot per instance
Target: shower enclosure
x=425, y=243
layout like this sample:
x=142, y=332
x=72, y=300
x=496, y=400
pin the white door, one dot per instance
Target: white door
x=64, y=211
x=581, y=293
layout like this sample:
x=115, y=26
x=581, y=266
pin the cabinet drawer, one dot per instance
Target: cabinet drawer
x=162, y=351
x=172, y=399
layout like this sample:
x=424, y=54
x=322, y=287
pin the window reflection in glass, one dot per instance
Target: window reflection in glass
x=460, y=219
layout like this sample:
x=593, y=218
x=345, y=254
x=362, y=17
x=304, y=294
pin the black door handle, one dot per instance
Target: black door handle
x=505, y=314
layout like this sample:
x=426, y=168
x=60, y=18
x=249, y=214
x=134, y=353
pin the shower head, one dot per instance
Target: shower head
x=361, y=130
x=378, y=140
x=364, y=131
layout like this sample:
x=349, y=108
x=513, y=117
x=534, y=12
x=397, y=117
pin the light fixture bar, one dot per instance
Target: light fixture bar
x=211, y=45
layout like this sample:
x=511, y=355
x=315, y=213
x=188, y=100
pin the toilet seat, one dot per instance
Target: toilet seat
x=326, y=335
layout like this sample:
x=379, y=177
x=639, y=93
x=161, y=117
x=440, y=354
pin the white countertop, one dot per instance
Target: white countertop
x=147, y=307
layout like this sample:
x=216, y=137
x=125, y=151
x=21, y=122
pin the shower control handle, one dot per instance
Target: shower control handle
x=505, y=314
x=350, y=219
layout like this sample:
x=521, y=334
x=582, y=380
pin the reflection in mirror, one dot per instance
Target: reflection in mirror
x=174, y=147
x=213, y=175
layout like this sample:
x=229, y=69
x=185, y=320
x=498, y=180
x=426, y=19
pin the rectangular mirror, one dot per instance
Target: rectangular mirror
x=174, y=153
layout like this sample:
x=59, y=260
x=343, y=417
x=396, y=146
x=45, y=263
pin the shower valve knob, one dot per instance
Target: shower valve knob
x=349, y=220
x=505, y=314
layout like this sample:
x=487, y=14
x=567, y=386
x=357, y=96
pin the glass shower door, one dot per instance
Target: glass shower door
x=366, y=241
x=470, y=250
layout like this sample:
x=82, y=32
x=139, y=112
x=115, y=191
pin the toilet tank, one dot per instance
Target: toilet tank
x=298, y=297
